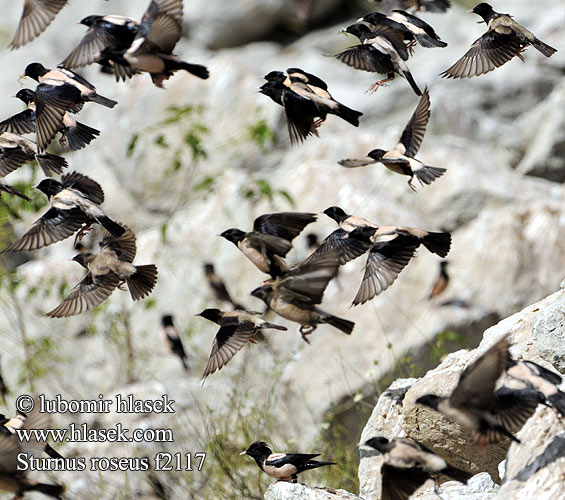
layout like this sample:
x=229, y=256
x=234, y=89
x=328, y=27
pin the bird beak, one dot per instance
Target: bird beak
x=360, y=20
x=470, y=11
x=35, y=187
x=342, y=32
x=243, y=453
x=77, y=22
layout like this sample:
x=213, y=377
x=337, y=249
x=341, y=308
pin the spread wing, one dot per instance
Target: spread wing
x=36, y=16
x=54, y=225
x=86, y=295
x=512, y=408
x=94, y=41
x=156, y=8
x=88, y=187
x=476, y=384
x=366, y=58
x=384, y=263
x=123, y=246
x=20, y=123
x=344, y=245
x=413, y=133
x=299, y=116
x=228, y=341
x=487, y=53
x=12, y=158
x=401, y=483
x=287, y=225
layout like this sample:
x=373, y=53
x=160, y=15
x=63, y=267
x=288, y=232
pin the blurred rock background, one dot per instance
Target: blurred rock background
x=183, y=164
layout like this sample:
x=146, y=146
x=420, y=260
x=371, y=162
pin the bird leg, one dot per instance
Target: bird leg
x=121, y=286
x=519, y=54
x=375, y=86
x=436, y=487
x=306, y=330
x=82, y=233
x=410, y=47
x=412, y=185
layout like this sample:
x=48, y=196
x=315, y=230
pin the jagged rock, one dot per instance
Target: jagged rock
x=288, y=491
x=479, y=487
x=548, y=333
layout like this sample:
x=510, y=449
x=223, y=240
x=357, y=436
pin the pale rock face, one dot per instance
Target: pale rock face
x=531, y=470
x=289, y=491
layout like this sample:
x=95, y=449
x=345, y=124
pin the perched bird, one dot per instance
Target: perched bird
x=16, y=150
x=152, y=47
x=6, y=188
x=539, y=379
x=170, y=336
x=77, y=135
x=442, y=280
x=11, y=478
x=390, y=250
x=271, y=239
x=305, y=97
x=36, y=16
x=504, y=40
x=237, y=328
x=423, y=5
x=74, y=202
x=379, y=52
x=282, y=466
x=475, y=405
x=107, y=271
x=408, y=465
x=217, y=284
x=295, y=295
x=400, y=159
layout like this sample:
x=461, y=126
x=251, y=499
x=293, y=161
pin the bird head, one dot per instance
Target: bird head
x=257, y=449
x=233, y=235
x=208, y=268
x=358, y=30
x=49, y=187
x=35, y=70
x=211, y=314
x=483, y=9
x=167, y=320
x=25, y=95
x=381, y=444
x=83, y=258
x=336, y=214
x=376, y=154
x=263, y=293
x=430, y=400
x=90, y=20
x=275, y=76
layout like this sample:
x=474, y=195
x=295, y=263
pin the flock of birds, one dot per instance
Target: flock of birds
x=125, y=47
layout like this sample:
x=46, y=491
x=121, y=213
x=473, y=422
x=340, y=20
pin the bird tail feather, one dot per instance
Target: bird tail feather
x=99, y=99
x=112, y=227
x=429, y=42
x=51, y=163
x=457, y=474
x=546, y=50
x=558, y=401
x=428, y=174
x=52, y=490
x=349, y=115
x=142, y=282
x=52, y=452
x=438, y=243
x=412, y=82
x=80, y=135
x=344, y=325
